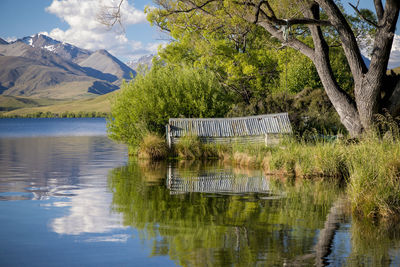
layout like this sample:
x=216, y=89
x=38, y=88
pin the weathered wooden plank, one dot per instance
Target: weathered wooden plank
x=231, y=127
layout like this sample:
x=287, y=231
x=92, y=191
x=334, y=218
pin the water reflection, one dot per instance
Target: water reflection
x=37, y=168
x=222, y=180
x=374, y=244
x=69, y=170
x=79, y=208
x=199, y=228
x=87, y=214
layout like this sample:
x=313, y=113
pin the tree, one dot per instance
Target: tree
x=373, y=92
x=373, y=89
x=236, y=53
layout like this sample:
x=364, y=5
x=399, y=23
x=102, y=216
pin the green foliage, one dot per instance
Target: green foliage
x=310, y=111
x=236, y=51
x=296, y=72
x=371, y=167
x=147, y=102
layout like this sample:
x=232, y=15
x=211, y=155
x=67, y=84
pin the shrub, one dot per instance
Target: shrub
x=164, y=92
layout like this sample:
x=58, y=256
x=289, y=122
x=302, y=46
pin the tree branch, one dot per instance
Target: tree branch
x=342, y=102
x=349, y=42
x=363, y=17
x=291, y=42
x=109, y=16
x=282, y=22
x=384, y=40
x=379, y=9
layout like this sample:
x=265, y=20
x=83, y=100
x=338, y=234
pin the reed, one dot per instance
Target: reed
x=374, y=182
x=189, y=147
x=153, y=147
x=369, y=167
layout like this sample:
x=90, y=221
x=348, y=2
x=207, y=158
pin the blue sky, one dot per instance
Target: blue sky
x=74, y=21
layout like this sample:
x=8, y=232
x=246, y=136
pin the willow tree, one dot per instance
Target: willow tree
x=373, y=92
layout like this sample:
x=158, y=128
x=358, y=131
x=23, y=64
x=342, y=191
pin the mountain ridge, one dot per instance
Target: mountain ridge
x=39, y=66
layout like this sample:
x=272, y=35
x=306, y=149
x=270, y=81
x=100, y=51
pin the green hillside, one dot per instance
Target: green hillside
x=9, y=103
x=17, y=106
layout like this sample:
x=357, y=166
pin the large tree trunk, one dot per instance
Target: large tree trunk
x=357, y=114
x=341, y=101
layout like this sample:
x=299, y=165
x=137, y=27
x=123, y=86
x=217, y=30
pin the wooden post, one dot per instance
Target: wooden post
x=168, y=134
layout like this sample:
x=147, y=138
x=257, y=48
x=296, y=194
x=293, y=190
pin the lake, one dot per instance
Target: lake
x=70, y=196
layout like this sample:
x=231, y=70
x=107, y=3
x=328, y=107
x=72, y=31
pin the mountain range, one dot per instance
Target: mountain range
x=142, y=61
x=39, y=66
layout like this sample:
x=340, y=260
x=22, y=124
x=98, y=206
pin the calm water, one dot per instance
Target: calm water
x=70, y=196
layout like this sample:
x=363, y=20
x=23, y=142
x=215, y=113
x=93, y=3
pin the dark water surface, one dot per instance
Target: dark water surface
x=69, y=196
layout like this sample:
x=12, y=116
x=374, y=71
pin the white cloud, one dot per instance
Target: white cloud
x=86, y=31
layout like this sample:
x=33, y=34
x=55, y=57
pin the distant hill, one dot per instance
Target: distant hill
x=19, y=106
x=29, y=77
x=41, y=67
x=9, y=103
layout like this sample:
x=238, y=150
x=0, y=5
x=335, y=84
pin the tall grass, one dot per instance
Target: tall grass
x=189, y=147
x=374, y=182
x=153, y=147
x=304, y=160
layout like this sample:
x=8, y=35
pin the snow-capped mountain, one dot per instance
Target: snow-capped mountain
x=64, y=50
x=43, y=67
x=2, y=41
x=142, y=61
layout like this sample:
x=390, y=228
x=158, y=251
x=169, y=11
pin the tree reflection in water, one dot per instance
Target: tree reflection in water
x=202, y=229
x=213, y=229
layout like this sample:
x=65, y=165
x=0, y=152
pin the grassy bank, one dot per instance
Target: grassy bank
x=48, y=114
x=370, y=167
x=19, y=107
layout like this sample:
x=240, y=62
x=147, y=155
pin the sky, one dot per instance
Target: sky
x=75, y=22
